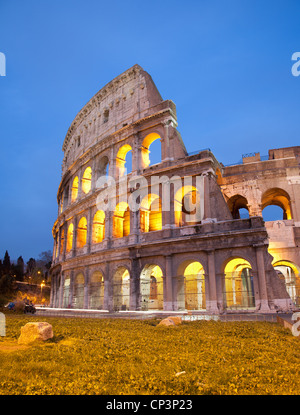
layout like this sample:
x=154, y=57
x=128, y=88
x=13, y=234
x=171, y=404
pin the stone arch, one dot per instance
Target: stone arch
x=96, y=291
x=78, y=291
x=121, y=220
x=121, y=164
x=289, y=272
x=187, y=206
x=102, y=167
x=238, y=284
x=277, y=197
x=62, y=241
x=121, y=289
x=81, y=236
x=151, y=213
x=66, y=290
x=98, y=232
x=70, y=232
x=86, y=182
x=74, y=189
x=191, y=285
x=236, y=204
x=145, y=149
x=151, y=288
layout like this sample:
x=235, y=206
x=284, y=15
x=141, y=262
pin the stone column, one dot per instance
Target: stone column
x=86, y=288
x=263, y=293
x=61, y=290
x=89, y=230
x=107, y=304
x=75, y=223
x=70, y=302
x=211, y=302
x=168, y=286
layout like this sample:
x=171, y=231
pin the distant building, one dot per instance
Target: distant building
x=186, y=247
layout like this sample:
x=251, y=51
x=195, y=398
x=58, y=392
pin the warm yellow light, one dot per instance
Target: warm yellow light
x=87, y=180
x=81, y=232
x=74, y=189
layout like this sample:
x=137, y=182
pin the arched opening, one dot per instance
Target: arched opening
x=66, y=293
x=279, y=198
x=151, y=140
x=96, y=291
x=87, y=180
x=121, y=220
x=121, y=289
x=81, y=232
x=102, y=167
x=150, y=213
x=238, y=206
x=98, y=227
x=74, y=190
x=70, y=237
x=78, y=295
x=290, y=274
x=191, y=286
x=62, y=241
x=187, y=206
x=238, y=288
x=151, y=288
x=124, y=160
x=66, y=197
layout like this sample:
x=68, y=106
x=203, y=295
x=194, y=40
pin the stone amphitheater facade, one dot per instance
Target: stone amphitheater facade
x=109, y=256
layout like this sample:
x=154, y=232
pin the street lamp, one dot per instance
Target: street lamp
x=42, y=285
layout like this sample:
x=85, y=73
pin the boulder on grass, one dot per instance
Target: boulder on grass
x=170, y=321
x=35, y=332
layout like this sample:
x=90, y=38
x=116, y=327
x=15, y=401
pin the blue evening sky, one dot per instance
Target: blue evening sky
x=225, y=64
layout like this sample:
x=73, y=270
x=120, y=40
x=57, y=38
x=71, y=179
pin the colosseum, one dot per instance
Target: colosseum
x=145, y=226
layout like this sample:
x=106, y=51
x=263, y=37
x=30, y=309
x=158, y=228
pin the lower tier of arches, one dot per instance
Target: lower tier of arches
x=195, y=282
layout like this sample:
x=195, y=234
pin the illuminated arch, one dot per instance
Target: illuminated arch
x=145, y=151
x=151, y=288
x=290, y=272
x=187, y=206
x=96, y=291
x=191, y=286
x=150, y=213
x=70, y=237
x=121, y=220
x=81, y=232
x=238, y=288
x=277, y=197
x=87, y=180
x=121, y=163
x=62, y=241
x=66, y=292
x=74, y=190
x=98, y=227
x=121, y=289
x=78, y=295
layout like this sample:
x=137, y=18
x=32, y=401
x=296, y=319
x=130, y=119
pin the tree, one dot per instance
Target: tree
x=6, y=265
x=19, y=269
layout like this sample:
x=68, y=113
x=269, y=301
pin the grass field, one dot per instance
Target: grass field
x=88, y=356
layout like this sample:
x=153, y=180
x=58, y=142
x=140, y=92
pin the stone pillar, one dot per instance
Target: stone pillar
x=211, y=302
x=107, y=304
x=168, y=286
x=263, y=293
x=75, y=223
x=51, y=291
x=86, y=288
x=70, y=302
x=89, y=230
x=207, y=216
x=61, y=290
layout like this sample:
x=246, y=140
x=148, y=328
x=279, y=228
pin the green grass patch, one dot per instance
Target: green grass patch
x=106, y=356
